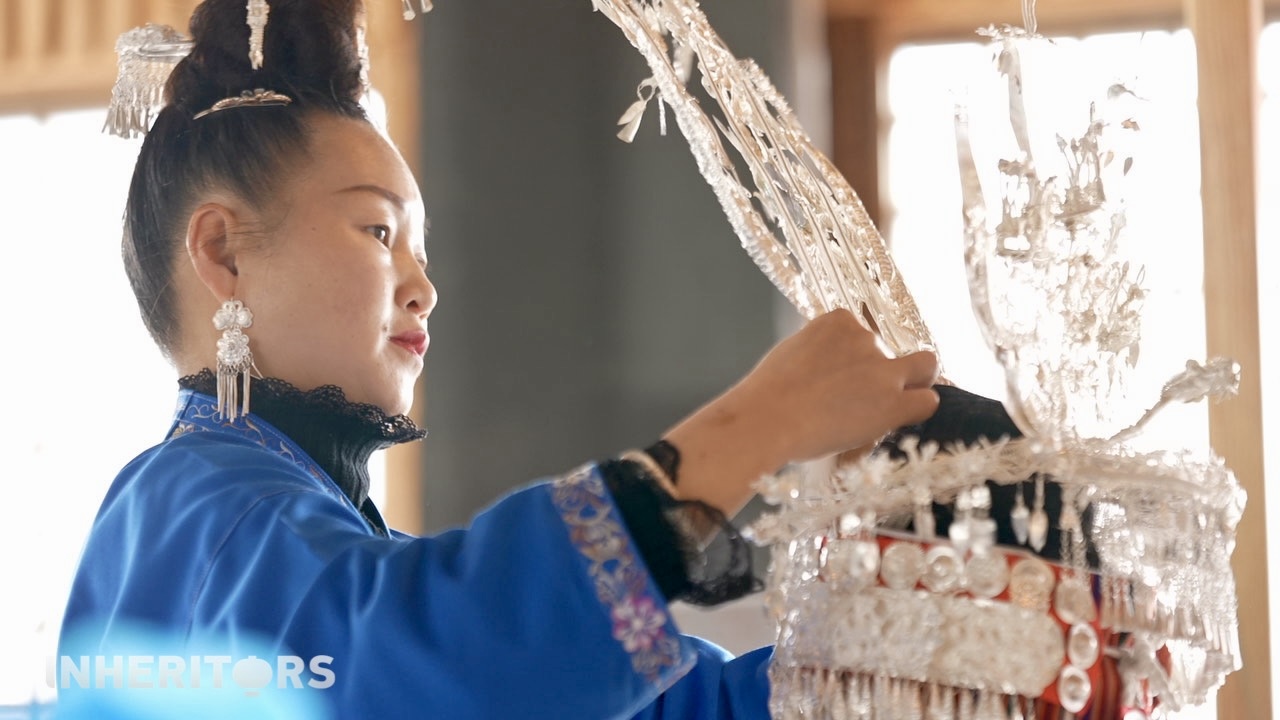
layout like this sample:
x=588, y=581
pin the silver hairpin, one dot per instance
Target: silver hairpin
x=257, y=97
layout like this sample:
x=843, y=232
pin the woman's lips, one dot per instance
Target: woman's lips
x=415, y=342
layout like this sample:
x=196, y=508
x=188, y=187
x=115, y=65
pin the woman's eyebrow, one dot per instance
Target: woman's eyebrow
x=395, y=199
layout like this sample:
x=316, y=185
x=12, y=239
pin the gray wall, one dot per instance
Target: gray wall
x=591, y=293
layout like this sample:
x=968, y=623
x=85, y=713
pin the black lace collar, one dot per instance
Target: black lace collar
x=338, y=434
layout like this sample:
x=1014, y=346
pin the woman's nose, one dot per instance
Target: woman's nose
x=418, y=293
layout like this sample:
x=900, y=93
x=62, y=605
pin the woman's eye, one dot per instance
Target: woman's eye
x=381, y=233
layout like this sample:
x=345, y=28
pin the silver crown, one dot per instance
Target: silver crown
x=879, y=625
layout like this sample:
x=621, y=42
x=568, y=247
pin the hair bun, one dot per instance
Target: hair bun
x=310, y=48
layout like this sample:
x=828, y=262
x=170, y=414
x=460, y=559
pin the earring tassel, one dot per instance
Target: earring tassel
x=244, y=409
x=234, y=359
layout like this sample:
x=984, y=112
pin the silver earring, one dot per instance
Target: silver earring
x=234, y=359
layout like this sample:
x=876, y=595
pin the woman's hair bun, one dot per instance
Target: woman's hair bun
x=311, y=53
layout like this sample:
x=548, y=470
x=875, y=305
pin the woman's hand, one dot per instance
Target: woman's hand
x=824, y=390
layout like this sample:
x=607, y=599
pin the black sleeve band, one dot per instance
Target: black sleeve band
x=663, y=530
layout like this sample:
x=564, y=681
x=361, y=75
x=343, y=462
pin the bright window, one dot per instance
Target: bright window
x=1164, y=223
x=86, y=388
x=1164, y=231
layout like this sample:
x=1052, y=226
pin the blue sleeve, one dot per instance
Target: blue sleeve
x=542, y=608
x=542, y=604
x=719, y=687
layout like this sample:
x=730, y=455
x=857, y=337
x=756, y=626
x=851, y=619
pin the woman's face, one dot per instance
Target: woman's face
x=338, y=288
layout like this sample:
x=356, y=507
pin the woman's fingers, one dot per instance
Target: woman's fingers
x=920, y=369
x=918, y=405
x=826, y=389
x=919, y=399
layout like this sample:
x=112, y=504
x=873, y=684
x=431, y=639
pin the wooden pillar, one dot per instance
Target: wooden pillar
x=116, y=15
x=1227, y=34
x=855, y=75
x=33, y=31
x=8, y=32
x=77, y=37
x=393, y=46
x=394, y=72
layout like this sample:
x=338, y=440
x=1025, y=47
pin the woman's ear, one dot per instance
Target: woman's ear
x=209, y=248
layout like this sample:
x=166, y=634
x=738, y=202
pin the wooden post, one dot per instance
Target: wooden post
x=32, y=24
x=855, y=112
x=115, y=16
x=393, y=45
x=7, y=32
x=76, y=39
x=1227, y=34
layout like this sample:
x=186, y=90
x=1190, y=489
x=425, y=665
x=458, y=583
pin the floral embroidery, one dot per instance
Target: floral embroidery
x=621, y=582
x=198, y=413
x=638, y=623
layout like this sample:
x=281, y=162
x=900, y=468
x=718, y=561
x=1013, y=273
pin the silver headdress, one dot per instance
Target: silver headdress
x=876, y=624
x=826, y=253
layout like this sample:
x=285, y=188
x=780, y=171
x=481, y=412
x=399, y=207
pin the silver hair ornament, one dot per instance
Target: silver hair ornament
x=146, y=57
x=256, y=17
x=424, y=7
x=257, y=97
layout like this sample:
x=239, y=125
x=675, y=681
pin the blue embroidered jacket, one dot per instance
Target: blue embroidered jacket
x=228, y=534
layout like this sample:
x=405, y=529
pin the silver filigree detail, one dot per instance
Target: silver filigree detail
x=1059, y=306
x=795, y=214
x=146, y=58
x=986, y=575
x=256, y=17
x=1082, y=646
x=234, y=359
x=902, y=565
x=1074, y=689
